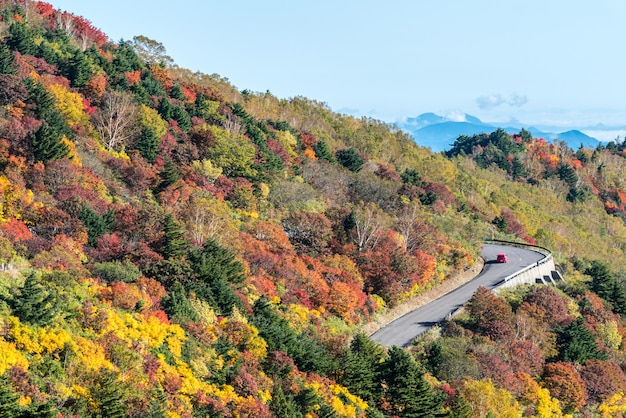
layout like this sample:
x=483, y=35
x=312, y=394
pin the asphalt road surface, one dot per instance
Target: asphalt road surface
x=406, y=328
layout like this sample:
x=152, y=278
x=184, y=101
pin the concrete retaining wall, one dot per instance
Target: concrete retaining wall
x=544, y=271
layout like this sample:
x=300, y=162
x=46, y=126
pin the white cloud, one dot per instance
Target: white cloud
x=490, y=101
x=455, y=115
x=518, y=101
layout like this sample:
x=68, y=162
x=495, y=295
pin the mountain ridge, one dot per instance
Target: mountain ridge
x=439, y=132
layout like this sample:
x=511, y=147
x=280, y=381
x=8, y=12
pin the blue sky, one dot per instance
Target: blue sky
x=539, y=62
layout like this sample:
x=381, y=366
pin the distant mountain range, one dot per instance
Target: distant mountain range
x=439, y=132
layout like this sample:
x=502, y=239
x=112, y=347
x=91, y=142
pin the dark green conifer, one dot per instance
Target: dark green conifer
x=33, y=303
x=148, y=144
x=79, y=69
x=165, y=109
x=158, y=404
x=576, y=344
x=180, y=115
x=177, y=93
x=406, y=391
x=177, y=305
x=280, y=405
x=9, y=408
x=350, y=159
x=108, y=394
x=322, y=152
x=7, y=60
x=602, y=282
x=174, y=244
x=216, y=268
x=21, y=39
x=96, y=225
x=361, y=370
x=460, y=408
x=169, y=175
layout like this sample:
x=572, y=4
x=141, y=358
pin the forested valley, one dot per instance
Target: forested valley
x=171, y=246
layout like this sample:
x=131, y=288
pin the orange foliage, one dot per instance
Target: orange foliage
x=15, y=230
x=133, y=77
x=94, y=89
x=163, y=76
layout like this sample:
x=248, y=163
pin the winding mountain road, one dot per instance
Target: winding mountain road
x=404, y=329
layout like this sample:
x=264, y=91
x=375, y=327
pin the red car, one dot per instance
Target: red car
x=501, y=258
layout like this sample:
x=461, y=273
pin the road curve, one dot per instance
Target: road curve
x=404, y=329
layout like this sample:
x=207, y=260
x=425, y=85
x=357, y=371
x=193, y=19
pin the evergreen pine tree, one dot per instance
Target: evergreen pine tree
x=601, y=279
x=216, y=268
x=148, y=144
x=96, y=225
x=618, y=297
x=48, y=145
x=79, y=69
x=280, y=405
x=169, y=175
x=33, y=303
x=41, y=410
x=322, y=152
x=361, y=370
x=108, y=394
x=407, y=392
x=7, y=60
x=21, y=39
x=460, y=408
x=177, y=93
x=350, y=159
x=9, y=408
x=177, y=305
x=165, y=109
x=180, y=115
x=158, y=404
x=49, y=54
x=306, y=400
x=174, y=244
x=577, y=344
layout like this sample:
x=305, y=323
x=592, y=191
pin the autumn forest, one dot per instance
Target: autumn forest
x=171, y=246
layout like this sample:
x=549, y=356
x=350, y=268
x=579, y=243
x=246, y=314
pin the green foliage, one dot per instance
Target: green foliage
x=9, y=408
x=322, y=151
x=21, y=38
x=108, y=393
x=48, y=145
x=460, y=408
x=217, y=268
x=406, y=390
x=7, y=60
x=117, y=271
x=281, y=405
x=177, y=305
x=169, y=175
x=97, y=225
x=180, y=115
x=362, y=368
x=576, y=344
x=412, y=177
x=308, y=354
x=148, y=144
x=125, y=59
x=79, y=69
x=350, y=159
x=602, y=282
x=173, y=243
x=34, y=303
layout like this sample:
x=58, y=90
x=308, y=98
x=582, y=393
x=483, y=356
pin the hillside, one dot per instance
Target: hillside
x=171, y=246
